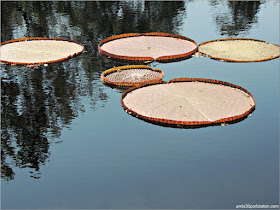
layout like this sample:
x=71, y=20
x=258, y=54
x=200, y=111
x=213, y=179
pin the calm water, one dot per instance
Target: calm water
x=68, y=144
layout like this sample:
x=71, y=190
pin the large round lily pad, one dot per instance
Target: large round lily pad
x=239, y=50
x=189, y=102
x=36, y=50
x=161, y=47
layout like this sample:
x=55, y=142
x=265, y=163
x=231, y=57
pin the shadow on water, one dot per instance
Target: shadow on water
x=38, y=103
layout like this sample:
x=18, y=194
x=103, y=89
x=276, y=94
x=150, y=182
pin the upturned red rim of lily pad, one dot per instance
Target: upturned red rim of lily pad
x=124, y=77
x=147, y=47
x=39, y=50
x=189, y=103
x=239, y=50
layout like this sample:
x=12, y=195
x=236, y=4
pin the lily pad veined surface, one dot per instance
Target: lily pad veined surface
x=148, y=47
x=128, y=76
x=239, y=50
x=37, y=50
x=189, y=102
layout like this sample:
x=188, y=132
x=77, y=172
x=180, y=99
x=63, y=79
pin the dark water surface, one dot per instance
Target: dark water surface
x=67, y=143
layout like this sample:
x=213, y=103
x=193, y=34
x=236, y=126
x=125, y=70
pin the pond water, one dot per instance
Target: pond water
x=67, y=143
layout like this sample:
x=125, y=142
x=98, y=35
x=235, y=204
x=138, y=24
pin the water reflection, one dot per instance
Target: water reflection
x=38, y=103
x=234, y=18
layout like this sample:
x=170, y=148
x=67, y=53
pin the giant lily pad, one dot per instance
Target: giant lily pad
x=189, y=102
x=36, y=50
x=136, y=47
x=128, y=76
x=239, y=50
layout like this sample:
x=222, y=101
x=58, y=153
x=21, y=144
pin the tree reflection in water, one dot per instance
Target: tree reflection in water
x=38, y=103
x=234, y=18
